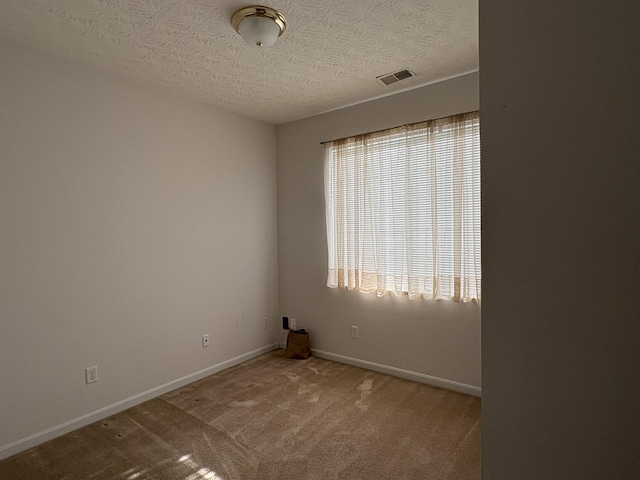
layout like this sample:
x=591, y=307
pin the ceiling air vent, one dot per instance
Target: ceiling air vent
x=394, y=77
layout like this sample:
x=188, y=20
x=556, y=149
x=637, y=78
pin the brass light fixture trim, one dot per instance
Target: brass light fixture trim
x=259, y=11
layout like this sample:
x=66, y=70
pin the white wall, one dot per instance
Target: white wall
x=560, y=110
x=132, y=222
x=438, y=339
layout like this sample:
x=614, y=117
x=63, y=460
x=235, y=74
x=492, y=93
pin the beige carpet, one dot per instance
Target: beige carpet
x=274, y=418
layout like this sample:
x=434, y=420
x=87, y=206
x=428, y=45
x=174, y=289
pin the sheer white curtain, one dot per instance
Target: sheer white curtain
x=403, y=210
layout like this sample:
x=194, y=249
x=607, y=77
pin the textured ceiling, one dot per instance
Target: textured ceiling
x=328, y=57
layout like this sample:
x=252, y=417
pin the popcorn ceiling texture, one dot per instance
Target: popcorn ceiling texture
x=328, y=57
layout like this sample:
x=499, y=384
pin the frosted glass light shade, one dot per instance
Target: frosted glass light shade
x=260, y=31
x=259, y=26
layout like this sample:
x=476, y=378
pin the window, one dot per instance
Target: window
x=403, y=210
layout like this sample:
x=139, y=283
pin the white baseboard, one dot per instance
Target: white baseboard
x=399, y=372
x=51, y=433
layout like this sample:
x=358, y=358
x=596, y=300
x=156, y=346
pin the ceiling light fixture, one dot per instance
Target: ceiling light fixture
x=258, y=25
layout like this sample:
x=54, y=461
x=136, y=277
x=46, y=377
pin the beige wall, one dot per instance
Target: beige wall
x=132, y=222
x=560, y=110
x=436, y=339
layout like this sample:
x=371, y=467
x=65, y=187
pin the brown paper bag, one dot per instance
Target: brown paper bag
x=298, y=345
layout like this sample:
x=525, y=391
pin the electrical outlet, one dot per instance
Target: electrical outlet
x=354, y=331
x=91, y=374
x=205, y=340
x=265, y=322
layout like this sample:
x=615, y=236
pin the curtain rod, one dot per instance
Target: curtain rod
x=398, y=126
